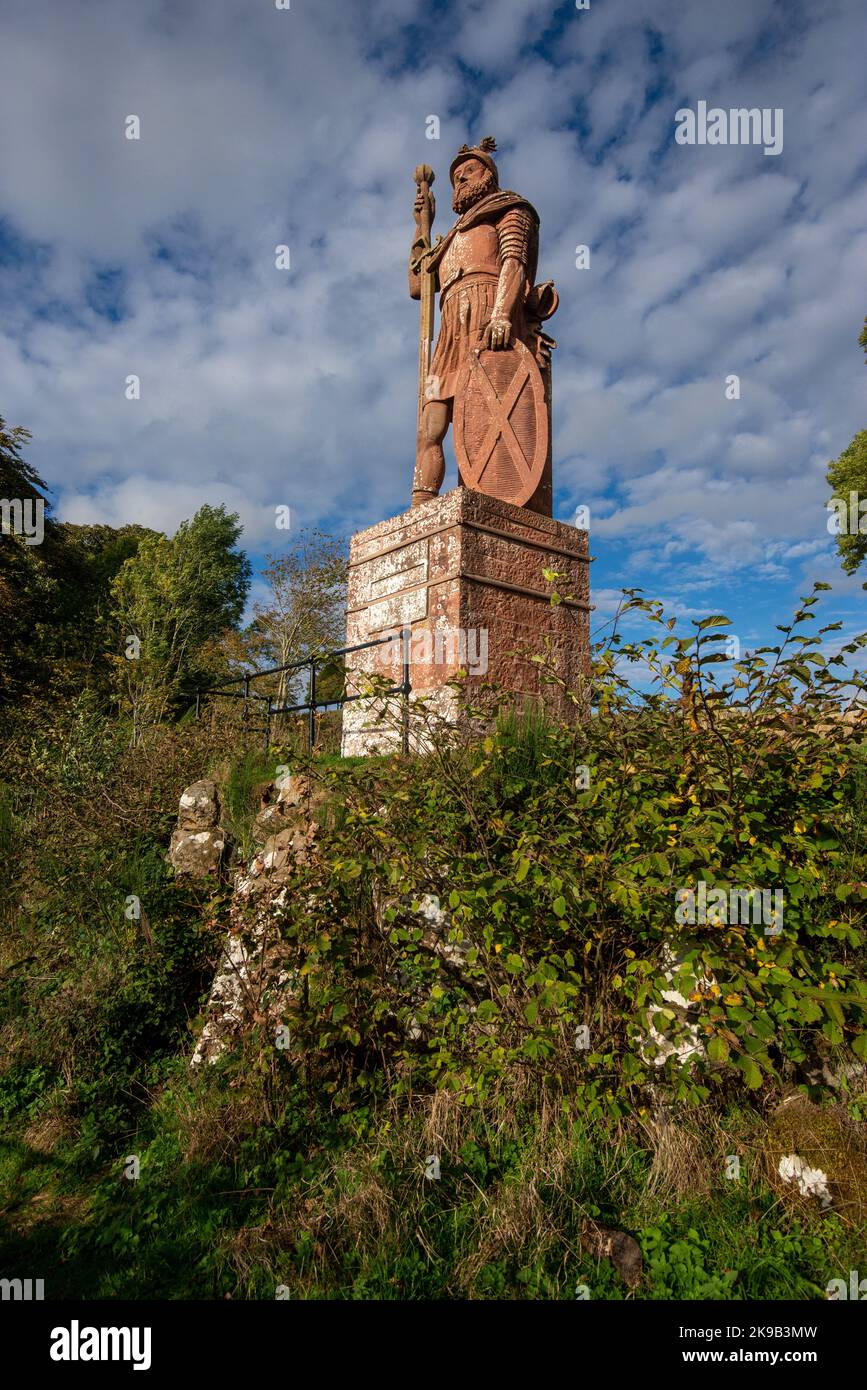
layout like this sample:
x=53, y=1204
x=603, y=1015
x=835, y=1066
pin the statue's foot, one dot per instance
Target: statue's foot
x=420, y=496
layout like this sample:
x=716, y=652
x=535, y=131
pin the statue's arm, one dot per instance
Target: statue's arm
x=416, y=251
x=513, y=235
x=510, y=289
x=424, y=211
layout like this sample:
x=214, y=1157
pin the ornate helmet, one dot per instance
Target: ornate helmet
x=481, y=152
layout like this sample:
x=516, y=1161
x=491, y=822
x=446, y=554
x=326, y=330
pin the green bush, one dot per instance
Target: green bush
x=566, y=900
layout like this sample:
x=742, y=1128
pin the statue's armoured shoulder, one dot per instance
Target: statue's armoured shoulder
x=496, y=204
x=514, y=233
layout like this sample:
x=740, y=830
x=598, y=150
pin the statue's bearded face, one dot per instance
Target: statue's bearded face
x=473, y=180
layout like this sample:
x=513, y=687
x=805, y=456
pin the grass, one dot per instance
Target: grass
x=228, y=1204
x=242, y=779
x=239, y=787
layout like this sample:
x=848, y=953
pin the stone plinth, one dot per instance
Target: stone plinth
x=464, y=573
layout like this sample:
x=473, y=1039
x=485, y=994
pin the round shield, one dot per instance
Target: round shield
x=501, y=423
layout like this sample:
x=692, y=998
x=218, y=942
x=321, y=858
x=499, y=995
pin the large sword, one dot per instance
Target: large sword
x=424, y=177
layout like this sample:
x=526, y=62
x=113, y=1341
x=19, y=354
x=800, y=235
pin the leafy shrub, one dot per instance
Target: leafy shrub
x=564, y=900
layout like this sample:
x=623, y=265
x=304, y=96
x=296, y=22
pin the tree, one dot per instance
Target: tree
x=78, y=642
x=17, y=477
x=28, y=587
x=172, y=600
x=307, y=610
x=54, y=592
x=847, y=475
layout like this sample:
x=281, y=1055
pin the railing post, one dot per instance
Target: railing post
x=198, y=702
x=246, y=699
x=312, y=731
x=405, y=686
x=268, y=726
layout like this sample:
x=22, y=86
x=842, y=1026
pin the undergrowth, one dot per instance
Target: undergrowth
x=520, y=1060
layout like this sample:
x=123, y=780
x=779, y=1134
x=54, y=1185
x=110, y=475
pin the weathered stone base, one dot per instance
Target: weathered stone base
x=464, y=573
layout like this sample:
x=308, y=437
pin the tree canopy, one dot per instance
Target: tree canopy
x=171, y=599
x=847, y=475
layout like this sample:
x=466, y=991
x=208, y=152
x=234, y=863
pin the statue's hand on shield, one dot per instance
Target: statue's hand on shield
x=498, y=332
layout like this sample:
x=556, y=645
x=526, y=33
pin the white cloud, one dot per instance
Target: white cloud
x=261, y=127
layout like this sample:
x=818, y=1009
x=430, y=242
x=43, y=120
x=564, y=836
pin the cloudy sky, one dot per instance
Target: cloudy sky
x=301, y=126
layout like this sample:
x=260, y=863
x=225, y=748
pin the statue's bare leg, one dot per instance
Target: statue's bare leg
x=430, y=464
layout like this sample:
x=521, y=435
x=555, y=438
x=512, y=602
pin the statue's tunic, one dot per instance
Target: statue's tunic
x=467, y=265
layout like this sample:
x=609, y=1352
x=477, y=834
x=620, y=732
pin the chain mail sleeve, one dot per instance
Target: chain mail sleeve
x=513, y=234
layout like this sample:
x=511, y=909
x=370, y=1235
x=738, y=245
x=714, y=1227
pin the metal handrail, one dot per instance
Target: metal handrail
x=311, y=704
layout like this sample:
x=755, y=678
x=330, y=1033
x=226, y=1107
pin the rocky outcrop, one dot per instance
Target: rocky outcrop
x=198, y=842
x=687, y=1042
x=285, y=800
x=624, y=1252
x=435, y=920
x=253, y=983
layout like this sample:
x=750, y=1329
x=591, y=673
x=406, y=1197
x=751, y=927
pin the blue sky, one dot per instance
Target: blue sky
x=260, y=387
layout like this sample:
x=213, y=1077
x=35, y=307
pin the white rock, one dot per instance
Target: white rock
x=811, y=1182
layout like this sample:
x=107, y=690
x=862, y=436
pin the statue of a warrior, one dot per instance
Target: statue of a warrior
x=491, y=367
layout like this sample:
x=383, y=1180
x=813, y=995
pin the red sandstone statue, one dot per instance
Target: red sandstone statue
x=491, y=369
